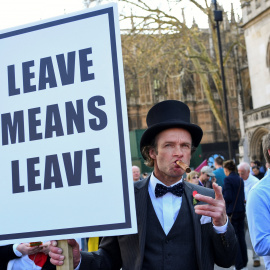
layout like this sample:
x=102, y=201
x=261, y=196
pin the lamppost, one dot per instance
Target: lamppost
x=218, y=18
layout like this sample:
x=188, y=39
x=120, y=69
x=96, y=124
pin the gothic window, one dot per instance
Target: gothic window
x=156, y=84
x=216, y=95
x=268, y=54
x=249, y=10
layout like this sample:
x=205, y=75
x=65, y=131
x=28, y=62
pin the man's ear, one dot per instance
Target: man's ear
x=268, y=152
x=152, y=153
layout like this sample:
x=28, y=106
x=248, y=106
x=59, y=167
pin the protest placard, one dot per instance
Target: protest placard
x=65, y=155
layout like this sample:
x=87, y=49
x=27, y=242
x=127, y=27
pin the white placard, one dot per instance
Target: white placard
x=65, y=154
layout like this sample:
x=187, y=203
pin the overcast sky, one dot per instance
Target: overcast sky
x=19, y=12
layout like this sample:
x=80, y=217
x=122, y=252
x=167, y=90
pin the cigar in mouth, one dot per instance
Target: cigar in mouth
x=183, y=165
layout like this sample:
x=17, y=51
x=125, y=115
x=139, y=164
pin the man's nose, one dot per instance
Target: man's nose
x=178, y=151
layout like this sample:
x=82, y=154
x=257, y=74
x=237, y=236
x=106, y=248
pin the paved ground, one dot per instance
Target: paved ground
x=250, y=260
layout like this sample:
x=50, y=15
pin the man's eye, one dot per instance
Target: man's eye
x=187, y=146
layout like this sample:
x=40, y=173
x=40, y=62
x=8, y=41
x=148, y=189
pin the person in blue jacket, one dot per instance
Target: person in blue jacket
x=258, y=211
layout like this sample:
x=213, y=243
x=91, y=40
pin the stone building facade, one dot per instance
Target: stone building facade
x=256, y=25
x=148, y=88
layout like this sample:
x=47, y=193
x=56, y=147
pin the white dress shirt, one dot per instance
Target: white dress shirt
x=168, y=206
x=17, y=252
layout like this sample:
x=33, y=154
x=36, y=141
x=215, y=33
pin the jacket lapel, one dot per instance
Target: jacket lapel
x=196, y=222
x=141, y=195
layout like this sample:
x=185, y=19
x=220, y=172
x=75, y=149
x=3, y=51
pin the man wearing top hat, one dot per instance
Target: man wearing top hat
x=175, y=229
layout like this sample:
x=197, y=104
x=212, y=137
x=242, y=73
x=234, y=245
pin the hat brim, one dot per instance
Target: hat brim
x=208, y=173
x=194, y=130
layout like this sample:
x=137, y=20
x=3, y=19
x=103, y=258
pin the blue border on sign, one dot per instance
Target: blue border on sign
x=127, y=223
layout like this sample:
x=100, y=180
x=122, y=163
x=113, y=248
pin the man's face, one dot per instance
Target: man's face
x=204, y=176
x=255, y=171
x=195, y=179
x=243, y=174
x=136, y=173
x=171, y=145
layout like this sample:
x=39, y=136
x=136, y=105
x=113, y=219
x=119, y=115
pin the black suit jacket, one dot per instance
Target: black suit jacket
x=6, y=254
x=127, y=251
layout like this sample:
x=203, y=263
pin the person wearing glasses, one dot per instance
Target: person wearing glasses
x=194, y=178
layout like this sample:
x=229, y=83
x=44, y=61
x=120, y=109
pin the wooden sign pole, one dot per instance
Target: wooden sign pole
x=67, y=252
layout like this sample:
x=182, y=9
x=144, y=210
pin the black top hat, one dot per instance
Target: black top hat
x=169, y=114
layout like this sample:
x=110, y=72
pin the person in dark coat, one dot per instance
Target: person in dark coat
x=6, y=254
x=180, y=225
x=234, y=196
x=11, y=252
x=257, y=173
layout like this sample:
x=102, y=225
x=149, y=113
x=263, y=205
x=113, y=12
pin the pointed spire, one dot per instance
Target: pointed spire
x=233, y=21
x=226, y=23
x=194, y=24
x=183, y=15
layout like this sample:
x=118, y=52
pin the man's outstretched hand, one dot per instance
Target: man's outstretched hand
x=215, y=208
x=56, y=253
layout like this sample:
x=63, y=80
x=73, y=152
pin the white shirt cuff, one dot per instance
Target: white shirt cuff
x=221, y=229
x=17, y=252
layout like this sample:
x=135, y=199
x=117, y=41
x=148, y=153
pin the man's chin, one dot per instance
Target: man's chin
x=178, y=171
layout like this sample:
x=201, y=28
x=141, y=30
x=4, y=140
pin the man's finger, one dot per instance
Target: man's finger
x=208, y=213
x=56, y=256
x=218, y=191
x=208, y=207
x=54, y=243
x=72, y=242
x=55, y=252
x=206, y=199
x=56, y=262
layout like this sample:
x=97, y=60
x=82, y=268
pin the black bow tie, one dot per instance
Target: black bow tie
x=176, y=190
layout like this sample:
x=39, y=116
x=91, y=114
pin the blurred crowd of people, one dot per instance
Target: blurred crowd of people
x=136, y=173
x=173, y=216
x=236, y=182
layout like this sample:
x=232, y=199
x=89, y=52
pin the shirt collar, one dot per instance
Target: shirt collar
x=154, y=181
